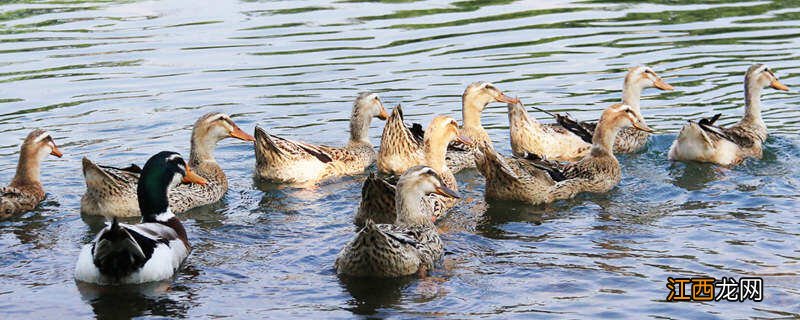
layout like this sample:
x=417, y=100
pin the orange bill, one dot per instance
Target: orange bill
x=643, y=127
x=191, y=177
x=447, y=192
x=383, y=115
x=464, y=139
x=507, y=99
x=775, y=84
x=239, y=134
x=55, y=151
x=662, y=85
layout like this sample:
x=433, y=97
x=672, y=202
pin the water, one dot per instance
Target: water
x=120, y=80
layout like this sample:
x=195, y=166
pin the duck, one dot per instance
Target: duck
x=402, y=146
x=152, y=250
x=286, y=161
x=112, y=190
x=629, y=139
x=705, y=141
x=529, y=136
x=25, y=191
x=411, y=245
x=536, y=180
x=377, y=194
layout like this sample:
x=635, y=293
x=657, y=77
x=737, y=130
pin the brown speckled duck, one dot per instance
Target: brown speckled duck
x=377, y=195
x=301, y=163
x=112, y=190
x=703, y=141
x=411, y=245
x=26, y=191
x=401, y=146
x=629, y=140
x=536, y=181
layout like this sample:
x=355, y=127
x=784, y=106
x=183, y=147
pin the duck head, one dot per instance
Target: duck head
x=210, y=129
x=369, y=104
x=642, y=77
x=444, y=129
x=622, y=115
x=762, y=76
x=39, y=144
x=479, y=94
x=414, y=184
x=162, y=171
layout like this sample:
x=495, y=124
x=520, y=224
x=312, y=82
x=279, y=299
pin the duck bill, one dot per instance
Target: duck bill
x=777, y=85
x=507, y=99
x=192, y=177
x=384, y=114
x=241, y=135
x=660, y=84
x=464, y=139
x=56, y=152
x=643, y=127
x=447, y=192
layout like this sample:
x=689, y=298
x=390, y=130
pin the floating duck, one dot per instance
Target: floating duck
x=704, y=141
x=25, y=191
x=152, y=250
x=111, y=190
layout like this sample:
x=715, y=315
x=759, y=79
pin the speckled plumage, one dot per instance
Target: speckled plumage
x=410, y=244
x=377, y=201
x=629, y=140
x=535, y=181
x=553, y=142
x=111, y=190
x=287, y=161
x=25, y=191
x=704, y=141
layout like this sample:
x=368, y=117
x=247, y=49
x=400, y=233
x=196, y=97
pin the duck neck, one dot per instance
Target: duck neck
x=202, y=149
x=471, y=113
x=27, y=169
x=631, y=94
x=603, y=139
x=435, y=152
x=409, y=205
x=359, y=128
x=752, y=104
x=152, y=195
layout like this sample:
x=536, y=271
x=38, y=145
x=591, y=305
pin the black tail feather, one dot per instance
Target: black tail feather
x=574, y=126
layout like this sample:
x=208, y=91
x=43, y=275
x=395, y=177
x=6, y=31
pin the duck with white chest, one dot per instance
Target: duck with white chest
x=152, y=250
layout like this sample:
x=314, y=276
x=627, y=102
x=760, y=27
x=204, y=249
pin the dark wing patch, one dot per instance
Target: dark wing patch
x=551, y=167
x=133, y=168
x=417, y=132
x=581, y=129
x=707, y=124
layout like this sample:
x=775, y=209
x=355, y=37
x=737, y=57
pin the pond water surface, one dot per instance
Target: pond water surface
x=118, y=81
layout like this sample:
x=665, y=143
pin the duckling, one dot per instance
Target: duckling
x=629, y=140
x=535, y=181
x=111, y=190
x=301, y=163
x=409, y=246
x=377, y=195
x=402, y=147
x=26, y=191
x=554, y=142
x=152, y=250
x=703, y=141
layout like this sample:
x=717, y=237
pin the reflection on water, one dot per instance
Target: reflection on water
x=120, y=80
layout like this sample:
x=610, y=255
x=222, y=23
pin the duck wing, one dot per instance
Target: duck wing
x=279, y=149
x=555, y=169
x=582, y=129
x=708, y=125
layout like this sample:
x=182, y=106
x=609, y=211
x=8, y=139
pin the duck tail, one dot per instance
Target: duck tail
x=118, y=252
x=377, y=201
x=266, y=147
x=103, y=177
x=581, y=129
x=395, y=129
x=694, y=132
x=492, y=165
